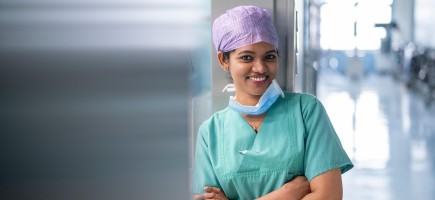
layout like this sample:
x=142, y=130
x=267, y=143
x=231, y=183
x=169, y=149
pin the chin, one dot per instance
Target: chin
x=258, y=93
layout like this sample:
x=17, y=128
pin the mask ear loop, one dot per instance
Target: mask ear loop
x=278, y=87
x=229, y=88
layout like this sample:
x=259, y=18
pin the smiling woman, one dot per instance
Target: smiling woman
x=267, y=144
x=252, y=68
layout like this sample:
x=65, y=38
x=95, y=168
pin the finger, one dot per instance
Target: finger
x=214, y=196
x=198, y=197
x=210, y=196
x=301, y=178
x=212, y=189
x=303, y=182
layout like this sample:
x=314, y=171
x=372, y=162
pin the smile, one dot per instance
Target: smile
x=257, y=78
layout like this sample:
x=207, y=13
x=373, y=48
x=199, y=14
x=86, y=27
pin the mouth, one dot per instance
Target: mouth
x=258, y=79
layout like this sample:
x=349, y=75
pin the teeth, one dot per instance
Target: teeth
x=262, y=78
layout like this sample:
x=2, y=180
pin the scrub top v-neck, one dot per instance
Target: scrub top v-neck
x=295, y=138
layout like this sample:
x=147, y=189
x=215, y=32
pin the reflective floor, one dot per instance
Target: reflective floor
x=387, y=131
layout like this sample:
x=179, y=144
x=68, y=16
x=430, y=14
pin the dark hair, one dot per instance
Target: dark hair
x=226, y=55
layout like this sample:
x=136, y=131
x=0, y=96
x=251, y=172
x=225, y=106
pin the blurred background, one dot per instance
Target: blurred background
x=94, y=97
x=103, y=99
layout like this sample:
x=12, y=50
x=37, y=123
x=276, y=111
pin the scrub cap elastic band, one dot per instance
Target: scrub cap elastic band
x=243, y=26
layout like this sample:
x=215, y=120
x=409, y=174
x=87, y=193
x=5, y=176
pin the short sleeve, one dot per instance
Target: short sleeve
x=323, y=149
x=203, y=171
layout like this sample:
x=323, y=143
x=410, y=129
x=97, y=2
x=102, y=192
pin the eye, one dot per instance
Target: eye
x=246, y=58
x=270, y=57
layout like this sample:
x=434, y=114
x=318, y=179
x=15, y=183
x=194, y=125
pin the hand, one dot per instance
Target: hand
x=298, y=187
x=214, y=193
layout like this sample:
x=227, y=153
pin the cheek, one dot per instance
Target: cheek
x=239, y=71
x=273, y=69
x=236, y=75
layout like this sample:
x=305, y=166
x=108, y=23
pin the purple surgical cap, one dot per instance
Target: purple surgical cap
x=242, y=26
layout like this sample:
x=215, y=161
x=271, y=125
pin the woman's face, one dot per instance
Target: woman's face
x=252, y=69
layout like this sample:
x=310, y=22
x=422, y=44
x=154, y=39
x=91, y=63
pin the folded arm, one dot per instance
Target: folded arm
x=326, y=186
x=293, y=190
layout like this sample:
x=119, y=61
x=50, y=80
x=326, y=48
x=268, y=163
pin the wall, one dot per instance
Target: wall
x=403, y=12
x=424, y=26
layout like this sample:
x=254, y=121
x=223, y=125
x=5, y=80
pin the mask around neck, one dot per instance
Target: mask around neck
x=266, y=100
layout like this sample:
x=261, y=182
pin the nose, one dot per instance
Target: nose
x=260, y=66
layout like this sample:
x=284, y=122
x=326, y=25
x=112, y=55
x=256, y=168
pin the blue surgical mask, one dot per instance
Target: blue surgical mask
x=266, y=100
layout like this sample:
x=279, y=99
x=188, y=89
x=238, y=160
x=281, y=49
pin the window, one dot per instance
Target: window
x=346, y=25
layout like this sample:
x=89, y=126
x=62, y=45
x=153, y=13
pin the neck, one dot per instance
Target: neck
x=254, y=121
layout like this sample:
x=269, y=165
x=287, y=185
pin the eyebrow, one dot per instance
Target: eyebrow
x=252, y=52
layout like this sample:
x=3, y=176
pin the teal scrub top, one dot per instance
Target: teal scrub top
x=295, y=138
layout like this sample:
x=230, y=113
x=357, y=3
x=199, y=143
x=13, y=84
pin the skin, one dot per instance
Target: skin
x=296, y=189
x=252, y=69
x=326, y=186
x=212, y=193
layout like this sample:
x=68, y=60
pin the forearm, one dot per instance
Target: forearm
x=327, y=186
x=293, y=190
x=275, y=195
x=318, y=195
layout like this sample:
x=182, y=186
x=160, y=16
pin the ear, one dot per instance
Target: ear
x=222, y=61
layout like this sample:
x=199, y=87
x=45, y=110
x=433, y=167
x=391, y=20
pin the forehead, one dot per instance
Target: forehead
x=260, y=47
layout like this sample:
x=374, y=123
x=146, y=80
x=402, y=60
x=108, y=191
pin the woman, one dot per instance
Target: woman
x=267, y=144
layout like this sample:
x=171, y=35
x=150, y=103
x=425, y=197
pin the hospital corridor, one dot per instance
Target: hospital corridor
x=388, y=131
